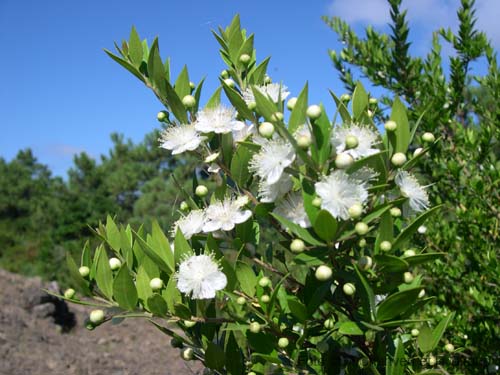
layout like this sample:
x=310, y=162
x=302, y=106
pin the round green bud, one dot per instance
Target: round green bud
x=395, y=212
x=304, y=141
x=373, y=101
x=343, y=161
x=189, y=101
x=345, y=97
x=398, y=159
x=409, y=253
x=156, y=283
x=189, y=323
x=349, y=289
x=251, y=373
x=266, y=129
x=297, y=246
x=390, y=126
x=265, y=298
x=428, y=137
x=267, y=80
x=432, y=360
x=329, y=323
x=245, y=59
x=291, y=103
x=283, y=342
x=162, y=116
x=187, y=354
x=415, y=332
x=176, y=343
x=449, y=348
x=361, y=228
x=115, y=263
x=69, y=293
x=251, y=106
x=316, y=202
x=370, y=113
x=201, y=191
x=264, y=282
x=192, y=85
x=417, y=151
x=408, y=277
x=365, y=263
x=422, y=229
x=323, y=273
x=241, y=301
x=224, y=74
x=254, y=327
x=184, y=206
x=355, y=210
x=421, y=294
x=313, y=111
x=385, y=246
x=277, y=116
x=84, y=271
x=364, y=363
x=229, y=82
x=96, y=316
x=362, y=242
x=351, y=141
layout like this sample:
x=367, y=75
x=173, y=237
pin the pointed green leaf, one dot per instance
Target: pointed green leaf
x=182, y=87
x=298, y=115
x=247, y=278
x=104, y=276
x=366, y=293
x=156, y=71
x=124, y=291
x=126, y=65
x=350, y=329
x=157, y=305
x=325, y=226
x=181, y=247
x=146, y=249
x=214, y=100
x=112, y=234
x=239, y=166
x=412, y=228
x=80, y=283
x=215, y=357
x=397, y=303
x=402, y=132
x=298, y=230
x=175, y=104
x=344, y=113
x=135, y=50
x=359, y=101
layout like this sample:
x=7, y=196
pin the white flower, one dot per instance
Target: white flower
x=270, y=192
x=272, y=91
x=224, y=215
x=418, y=199
x=219, y=120
x=243, y=133
x=339, y=191
x=181, y=138
x=200, y=276
x=190, y=224
x=292, y=208
x=272, y=159
x=366, y=138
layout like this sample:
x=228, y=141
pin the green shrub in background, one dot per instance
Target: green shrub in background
x=300, y=258
x=462, y=109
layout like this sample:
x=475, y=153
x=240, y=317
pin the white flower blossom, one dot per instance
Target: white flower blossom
x=224, y=215
x=339, y=191
x=418, y=200
x=272, y=159
x=181, y=138
x=220, y=120
x=200, y=277
x=271, y=90
x=270, y=192
x=292, y=208
x=366, y=137
x=243, y=133
x=190, y=224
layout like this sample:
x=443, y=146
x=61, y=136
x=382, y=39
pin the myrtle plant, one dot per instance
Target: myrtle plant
x=298, y=256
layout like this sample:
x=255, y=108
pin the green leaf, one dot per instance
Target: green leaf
x=396, y=365
x=181, y=247
x=144, y=246
x=227, y=147
x=80, y=283
x=312, y=258
x=257, y=77
x=124, y=291
x=236, y=364
x=412, y=228
x=321, y=128
x=214, y=100
x=144, y=291
x=425, y=340
x=297, y=230
x=175, y=104
x=112, y=234
x=325, y=226
x=308, y=195
x=162, y=246
x=423, y=258
x=402, y=132
x=237, y=102
x=247, y=278
x=297, y=308
x=366, y=293
x=171, y=294
x=391, y=263
x=432, y=338
x=104, y=276
x=156, y=71
x=157, y=305
x=264, y=105
x=126, y=65
x=85, y=258
x=359, y=101
x=344, y=113
x=385, y=232
x=298, y=115
x=397, y=303
x=214, y=357
x=135, y=51
x=181, y=86
x=351, y=329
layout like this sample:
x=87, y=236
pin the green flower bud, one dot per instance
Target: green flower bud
x=251, y=106
x=192, y=85
x=304, y=141
x=421, y=294
x=415, y=332
x=428, y=137
x=449, y=348
x=229, y=82
x=201, y=191
x=69, y=293
x=189, y=323
x=297, y=246
x=266, y=129
x=432, y=360
x=349, y=289
x=417, y=151
x=254, y=327
x=373, y=101
x=241, y=301
x=264, y=282
x=365, y=263
x=343, y=161
x=267, y=80
x=224, y=74
x=395, y=212
x=323, y=273
x=162, y=116
x=251, y=373
x=189, y=101
x=96, y=316
x=361, y=228
x=364, y=363
x=291, y=103
x=398, y=159
x=409, y=253
x=329, y=323
x=355, y=210
x=313, y=111
x=245, y=59
x=283, y=342
x=362, y=242
x=316, y=202
x=390, y=126
x=422, y=229
x=408, y=277
x=84, y=271
x=156, y=283
x=265, y=298
x=385, y=246
x=351, y=141
x=114, y=263
x=187, y=354
x=345, y=97
x=277, y=116
x=184, y=206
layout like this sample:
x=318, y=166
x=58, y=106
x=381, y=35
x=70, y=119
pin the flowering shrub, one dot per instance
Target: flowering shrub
x=300, y=260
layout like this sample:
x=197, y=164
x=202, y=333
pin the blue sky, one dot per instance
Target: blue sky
x=60, y=94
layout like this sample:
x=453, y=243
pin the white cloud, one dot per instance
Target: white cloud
x=374, y=12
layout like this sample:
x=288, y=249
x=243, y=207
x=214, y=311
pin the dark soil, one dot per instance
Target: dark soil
x=33, y=338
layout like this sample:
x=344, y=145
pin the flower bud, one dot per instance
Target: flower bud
x=373, y=101
x=192, y=85
x=96, y=316
x=201, y=191
x=428, y=137
x=364, y=363
x=266, y=129
x=422, y=229
x=349, y=289
x=254, y=327
x=355, y=210
x=390, y=126
x=267, y=80
x=365, y=263
x=361, y=228
x=449, y=347
x=421, y=294
x=84, y=271
x=184, y=206
x=156, y=283
x=415, y=332
x=189, y=101
x=229, y=82
x=189, y=323
x=385, y=246
x=291, y=103
x=187, y=354
x=297, y=246
x=343, y=161
x=316, y=202
x=245, y=59
x=323, y=273
x=345, y=97
x=398, y=159
x=313, y=111
x=224, y=74
x=417, y=151
x=362, y=242
x=277, y=116
x=162, y=116
x=395, y=212
x=283, y=342
x=251, y=106
x=264, y=282
x=432, y=360
x=409, y=253
x=408, y=277
x=241, y=301
x=351, y=141
x=329, y=323
x=304, y=141
x=265, y=298
x=114, y=263
x=69, y=293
